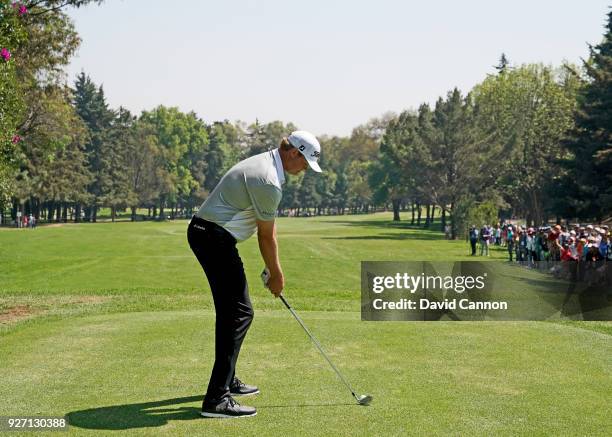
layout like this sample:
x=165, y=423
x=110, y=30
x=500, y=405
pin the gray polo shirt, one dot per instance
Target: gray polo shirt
x=249, y=191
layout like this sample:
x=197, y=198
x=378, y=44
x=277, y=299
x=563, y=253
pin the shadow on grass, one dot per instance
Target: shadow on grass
x=435, y=226
x=389, y=236
x=153, y=414
x=140, y=415
x=431, y=233
x=577, y=299
x=574, y=299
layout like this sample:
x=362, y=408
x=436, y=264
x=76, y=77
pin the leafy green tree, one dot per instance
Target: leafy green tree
x=451, y=155
x=347, y=181
x=12, y=34
x=236, y=138
x=394, y=174
x=332, y=184
x=218, y=154
x=341, y=191
x=40, y=60
x=65, y=183
x=290, y=193
x=58, y=135
x=365, y=139
x=325, y=183
x=183, y=141
x=475, y=213
x=42, y=7
x=308, y=196
x=142, y=170
x=263, y=137
x=524, y=115
x=359, y=192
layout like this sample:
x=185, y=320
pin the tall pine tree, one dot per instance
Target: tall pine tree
x=590, y=176
x=116, y=187
x=91, y=106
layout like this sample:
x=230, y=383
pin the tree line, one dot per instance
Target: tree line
x=530, y=140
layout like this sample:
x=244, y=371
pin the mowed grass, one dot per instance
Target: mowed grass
x=111, y=325
x=145, y=373
x=320, y=257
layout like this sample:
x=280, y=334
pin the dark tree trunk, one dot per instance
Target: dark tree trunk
x=418, y=206
x=427, y=211
x=58, y=212
x=396, y=210
x=65, y=213
x=113, y=213
x=77, y=213
x=443, y=220
x=412, y=208
x=134, y=213
x=94, y=213
x=37, y=209
x=453, y=223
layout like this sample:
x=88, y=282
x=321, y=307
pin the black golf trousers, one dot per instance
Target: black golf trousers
x=215, y=249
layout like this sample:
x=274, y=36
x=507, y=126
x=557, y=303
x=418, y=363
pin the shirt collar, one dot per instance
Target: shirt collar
x=279, y=166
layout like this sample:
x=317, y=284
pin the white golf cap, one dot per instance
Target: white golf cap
x=308, y=145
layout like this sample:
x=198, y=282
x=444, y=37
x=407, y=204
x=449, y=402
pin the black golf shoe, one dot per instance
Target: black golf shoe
x=239, y=388
x=228, y=408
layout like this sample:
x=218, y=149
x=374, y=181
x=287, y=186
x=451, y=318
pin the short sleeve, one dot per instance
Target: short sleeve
x=265, y=199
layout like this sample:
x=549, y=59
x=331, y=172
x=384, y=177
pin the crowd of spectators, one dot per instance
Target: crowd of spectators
x=21, y=221
x=569, y=252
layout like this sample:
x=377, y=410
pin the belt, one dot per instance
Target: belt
x=212, y=228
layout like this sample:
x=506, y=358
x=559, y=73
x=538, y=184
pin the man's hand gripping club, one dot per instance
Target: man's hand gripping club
x=266, y=236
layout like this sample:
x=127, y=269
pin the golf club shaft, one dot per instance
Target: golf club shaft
x=318, y=345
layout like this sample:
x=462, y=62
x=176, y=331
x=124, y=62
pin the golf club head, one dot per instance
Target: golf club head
x=364, y=399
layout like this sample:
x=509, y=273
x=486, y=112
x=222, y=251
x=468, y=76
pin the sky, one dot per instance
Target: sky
x=325, y=65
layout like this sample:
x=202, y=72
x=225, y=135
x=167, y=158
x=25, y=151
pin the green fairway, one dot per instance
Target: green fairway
x=321, y=259
x=111, y=325
x=118, y=257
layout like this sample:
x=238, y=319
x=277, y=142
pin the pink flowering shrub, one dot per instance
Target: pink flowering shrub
x=5, y=54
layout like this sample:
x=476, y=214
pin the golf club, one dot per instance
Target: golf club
x=361, y=399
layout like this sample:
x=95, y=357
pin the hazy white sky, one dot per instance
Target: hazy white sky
x=325, y=65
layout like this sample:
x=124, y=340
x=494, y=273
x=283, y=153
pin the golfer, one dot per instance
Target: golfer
x=245, y=200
